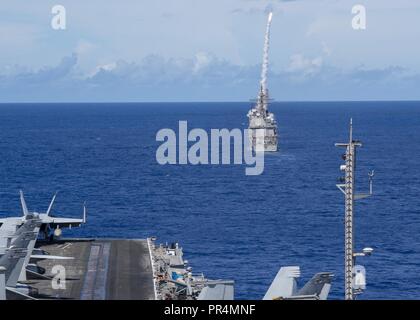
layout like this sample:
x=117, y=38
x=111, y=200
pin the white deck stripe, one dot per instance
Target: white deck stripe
x=149, y=244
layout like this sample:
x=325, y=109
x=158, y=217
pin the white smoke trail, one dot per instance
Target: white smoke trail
x=265, y=56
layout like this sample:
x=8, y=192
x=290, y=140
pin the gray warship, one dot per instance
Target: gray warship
x=262, y=123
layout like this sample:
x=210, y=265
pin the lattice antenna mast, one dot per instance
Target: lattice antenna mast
x=351, y=287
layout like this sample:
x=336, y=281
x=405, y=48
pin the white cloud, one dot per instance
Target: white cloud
x=99, y=32
x=84, y=47
x=104, y=67
x=198, y=50
x=326, y=49
x=302, y=66
x=202, y=60
x=158, y=79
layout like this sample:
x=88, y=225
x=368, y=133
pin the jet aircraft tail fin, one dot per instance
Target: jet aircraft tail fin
x=284, y=284
x=319, y=285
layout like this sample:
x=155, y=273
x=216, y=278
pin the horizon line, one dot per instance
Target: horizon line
x=198, y=101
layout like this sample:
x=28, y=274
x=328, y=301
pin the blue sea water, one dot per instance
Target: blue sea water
x=231, y=226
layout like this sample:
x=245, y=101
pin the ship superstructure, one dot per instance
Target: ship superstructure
x=174, y=279
x=266, y=138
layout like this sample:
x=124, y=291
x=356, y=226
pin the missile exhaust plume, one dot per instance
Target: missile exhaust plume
x=265, y=56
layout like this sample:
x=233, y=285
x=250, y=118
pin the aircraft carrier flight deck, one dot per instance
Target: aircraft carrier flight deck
x=102, y=270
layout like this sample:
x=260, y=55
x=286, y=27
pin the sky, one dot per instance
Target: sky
x=202, y=50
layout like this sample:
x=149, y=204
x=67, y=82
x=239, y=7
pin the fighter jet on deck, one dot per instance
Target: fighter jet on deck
x=13, y=259
x=284, y=286
x=51, y=226
x=18, y=236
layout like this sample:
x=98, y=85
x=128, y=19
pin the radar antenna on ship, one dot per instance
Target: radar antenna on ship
x=354, y=275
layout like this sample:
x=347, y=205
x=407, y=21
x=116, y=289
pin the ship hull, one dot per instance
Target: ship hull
x=269, y=140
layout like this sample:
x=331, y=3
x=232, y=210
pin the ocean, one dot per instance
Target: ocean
x=231, y=226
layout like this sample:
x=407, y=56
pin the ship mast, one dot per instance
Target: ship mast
x=263, y=95
x=352, y=287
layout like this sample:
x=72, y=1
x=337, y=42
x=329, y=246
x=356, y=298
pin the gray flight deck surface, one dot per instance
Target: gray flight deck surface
x=101, y=269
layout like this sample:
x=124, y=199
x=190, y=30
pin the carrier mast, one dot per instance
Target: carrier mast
x=354, y=276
